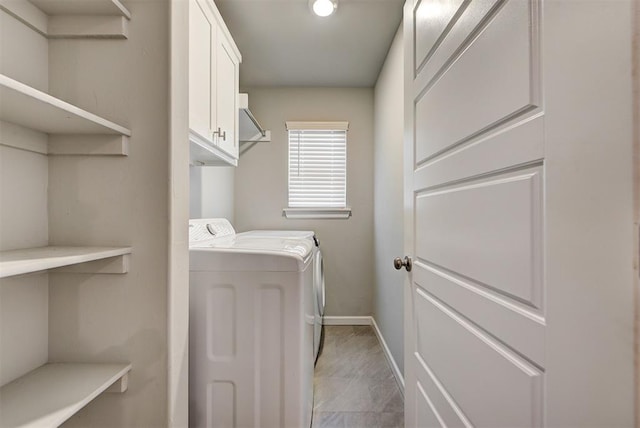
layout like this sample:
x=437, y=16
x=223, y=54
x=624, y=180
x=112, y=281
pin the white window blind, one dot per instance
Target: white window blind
x=317, y=164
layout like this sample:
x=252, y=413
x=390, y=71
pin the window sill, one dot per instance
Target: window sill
x=317, y=213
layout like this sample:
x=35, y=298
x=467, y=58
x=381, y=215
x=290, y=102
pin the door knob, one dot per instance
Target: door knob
x=398, y=263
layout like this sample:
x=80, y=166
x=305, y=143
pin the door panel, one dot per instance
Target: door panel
x=488, y=231
x=461, y=103
x=469, y=21
x=518, y=202
x=201, y=38
x=447, y=410
x=515, y=144
x=508, y=320
x=432, y=18
x=227, y=90
x=471, y=364
x=427, y=415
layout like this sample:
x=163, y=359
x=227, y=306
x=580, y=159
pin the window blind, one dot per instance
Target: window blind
x=317, y=167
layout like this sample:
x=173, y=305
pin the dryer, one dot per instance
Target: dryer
x=318, y=275
x=251, y=328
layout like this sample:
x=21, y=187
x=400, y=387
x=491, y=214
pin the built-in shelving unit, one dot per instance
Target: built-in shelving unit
x=72, y=130
x=72, y=18
x=52, y=393
x=18, y=262
x=82, y=8
x=38, y=123
x=26, y=106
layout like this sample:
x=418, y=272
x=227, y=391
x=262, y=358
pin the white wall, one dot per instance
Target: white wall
x=261, y=185
x=388, y=200
x=211, y=190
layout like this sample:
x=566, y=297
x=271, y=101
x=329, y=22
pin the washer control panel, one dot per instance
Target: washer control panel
x=202, y=229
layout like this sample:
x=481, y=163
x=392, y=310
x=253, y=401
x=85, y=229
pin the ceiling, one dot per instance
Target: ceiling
x=284, y=44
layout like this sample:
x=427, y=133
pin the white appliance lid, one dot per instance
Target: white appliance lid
x=293, y=234
x=297, y=247
x=246, y=253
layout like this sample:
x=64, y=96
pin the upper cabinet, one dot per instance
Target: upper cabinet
x=214, y=63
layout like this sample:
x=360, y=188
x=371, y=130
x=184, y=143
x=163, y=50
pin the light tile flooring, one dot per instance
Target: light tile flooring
x=353, y=385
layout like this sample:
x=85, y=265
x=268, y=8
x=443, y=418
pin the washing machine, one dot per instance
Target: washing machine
x=251, y=323
x=318, y=275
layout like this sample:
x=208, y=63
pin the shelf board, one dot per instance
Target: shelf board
x=18, y=262
x=55, y=19
x=52, y=393
x=26, y=106
x=82, y=7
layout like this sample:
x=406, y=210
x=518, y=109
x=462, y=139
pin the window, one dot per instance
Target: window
x=317, y=170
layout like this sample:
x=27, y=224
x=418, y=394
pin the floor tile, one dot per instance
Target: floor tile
x=354, y=385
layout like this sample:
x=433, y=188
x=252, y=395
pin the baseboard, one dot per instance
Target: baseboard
x=367, y=320
x=387, y=353
x=329, y=320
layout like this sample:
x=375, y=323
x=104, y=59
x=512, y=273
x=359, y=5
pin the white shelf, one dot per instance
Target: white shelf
x=23, y=105
x=82, y=7
x=18, y=262
x=51, y=394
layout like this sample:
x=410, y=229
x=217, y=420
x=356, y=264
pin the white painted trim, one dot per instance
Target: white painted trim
x=387, y=353
x=369, y=320
x=327, y=213
x=304, y=126
x=330, y=320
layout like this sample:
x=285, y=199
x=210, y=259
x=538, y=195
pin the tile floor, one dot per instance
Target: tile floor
x=354, y=385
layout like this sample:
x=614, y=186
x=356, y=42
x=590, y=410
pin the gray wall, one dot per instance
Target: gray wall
x=211, y=191
x=388, y=206
x=261, y=186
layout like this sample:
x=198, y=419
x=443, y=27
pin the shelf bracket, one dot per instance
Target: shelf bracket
x=120, y=386
x=246, y=145
x=110, y=266
x=89, y=144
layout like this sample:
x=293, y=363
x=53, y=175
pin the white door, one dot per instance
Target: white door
x=202, y=90
x=518, y=188
x=227, y=83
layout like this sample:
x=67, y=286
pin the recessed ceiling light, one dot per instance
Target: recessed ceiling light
x=324, y=7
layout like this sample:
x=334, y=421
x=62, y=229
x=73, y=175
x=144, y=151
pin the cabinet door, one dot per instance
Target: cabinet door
x=227, y=89
x=202, y=45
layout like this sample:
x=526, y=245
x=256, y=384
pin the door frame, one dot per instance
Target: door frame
x=636, y=193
